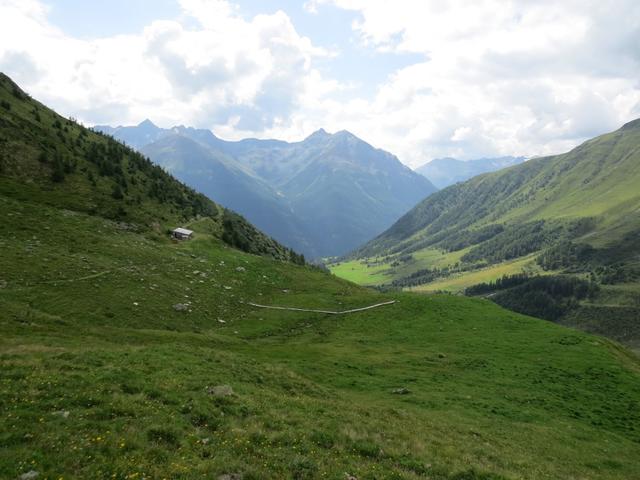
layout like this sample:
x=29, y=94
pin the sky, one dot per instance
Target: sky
x=422, y=79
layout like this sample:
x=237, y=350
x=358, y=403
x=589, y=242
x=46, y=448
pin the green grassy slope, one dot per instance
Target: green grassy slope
x=598, y=180
x=89, y=328
x=124, y=355
x=573, y=214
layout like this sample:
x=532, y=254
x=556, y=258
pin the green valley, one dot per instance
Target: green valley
x=576, y=215
x=126, y=355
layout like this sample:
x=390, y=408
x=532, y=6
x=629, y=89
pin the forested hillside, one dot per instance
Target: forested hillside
x=55, y=161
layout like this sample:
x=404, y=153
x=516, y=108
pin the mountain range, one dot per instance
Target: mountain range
x=443, y=172
x=323, y=196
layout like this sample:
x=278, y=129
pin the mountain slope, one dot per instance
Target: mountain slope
x=96, y=357
x=220, y=177
x=351, y=190
x=575, y=214
x=443, y=172
x=46, y=157
x=596, y=180
x=339, y=190
x=125, y=355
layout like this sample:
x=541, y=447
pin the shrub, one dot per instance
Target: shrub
x=303, y=468
x=322, y=439
x=163, y=435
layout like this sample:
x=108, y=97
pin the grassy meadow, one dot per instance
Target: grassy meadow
x=102, y=377
x=383, y=270
x=456, y=283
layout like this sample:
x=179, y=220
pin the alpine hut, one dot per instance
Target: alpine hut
x=182, y=234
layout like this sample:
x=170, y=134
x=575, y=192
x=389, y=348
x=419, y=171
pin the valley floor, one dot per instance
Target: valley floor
x=612, y=312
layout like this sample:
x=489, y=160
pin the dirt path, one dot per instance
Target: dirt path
x=330, y=312
x=71, y=280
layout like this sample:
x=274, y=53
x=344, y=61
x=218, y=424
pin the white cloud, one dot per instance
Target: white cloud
x=521, y=77
x=311, y=6
x=210, y=68
x=500, y=77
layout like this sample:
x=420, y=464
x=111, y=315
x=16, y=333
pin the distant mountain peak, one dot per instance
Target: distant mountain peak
x=345, y=134
x=179, y=129
x=147, y=124
x=320, y=133
x=447, y=170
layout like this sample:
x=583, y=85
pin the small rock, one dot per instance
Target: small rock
x=181, y=307
x=241, y=269
x=442, y=355
x=136, y=304
x=348, y=476
x=30, y=475
x=204, y=441
x=220, y=391
x=62, y=413
x=221, y=321
x=400, y=391
x=230, y=476
x=227, y=288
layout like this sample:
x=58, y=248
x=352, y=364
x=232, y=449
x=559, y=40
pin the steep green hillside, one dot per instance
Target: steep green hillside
x=576, y=213
x=47, y=158
x=597, y=180
x=126, y=356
